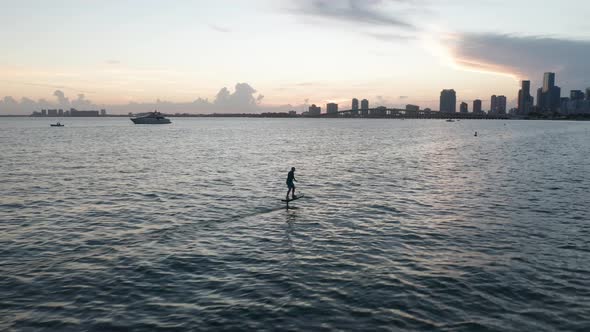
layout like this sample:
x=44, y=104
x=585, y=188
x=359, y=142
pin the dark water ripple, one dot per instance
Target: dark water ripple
x=407, y=225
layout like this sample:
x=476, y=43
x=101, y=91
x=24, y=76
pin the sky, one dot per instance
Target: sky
x=212, y=56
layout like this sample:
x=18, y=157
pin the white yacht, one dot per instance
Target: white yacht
x=154, y=117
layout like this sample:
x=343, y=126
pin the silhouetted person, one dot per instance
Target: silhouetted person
x=290, y=184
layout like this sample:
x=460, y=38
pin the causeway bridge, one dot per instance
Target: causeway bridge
x=396, y=113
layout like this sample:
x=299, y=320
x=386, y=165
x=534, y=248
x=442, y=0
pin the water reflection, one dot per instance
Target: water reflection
x=409, y=225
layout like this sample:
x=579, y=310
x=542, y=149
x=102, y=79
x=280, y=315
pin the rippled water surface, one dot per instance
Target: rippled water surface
x=406, y=225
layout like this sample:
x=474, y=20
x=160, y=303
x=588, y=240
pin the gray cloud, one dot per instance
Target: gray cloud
x=354, y=11
x=244, y=99
x=62, y=100
x=219, y=28
x=526, y=57
x=241, y=99
x=9, y=101
x=81, y=102
x=389, y=37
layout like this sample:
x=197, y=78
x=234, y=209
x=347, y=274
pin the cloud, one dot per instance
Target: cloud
x=526, y=57
x=219, y=28
x=62, y=100
x=369, y=12
x=81, y=102
x=390, y=37
x=9, y=101
x=244, y=99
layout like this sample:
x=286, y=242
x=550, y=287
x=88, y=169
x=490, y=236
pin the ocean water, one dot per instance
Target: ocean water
x=413, y=225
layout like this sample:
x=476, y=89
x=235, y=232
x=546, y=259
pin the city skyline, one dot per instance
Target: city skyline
x=221, y=56
x=549, y=102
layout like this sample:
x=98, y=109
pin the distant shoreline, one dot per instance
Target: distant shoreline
x=584, y=117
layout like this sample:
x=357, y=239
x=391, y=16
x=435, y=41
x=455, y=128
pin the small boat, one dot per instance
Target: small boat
x=56, y=125
x=450, y=120
x=154, y=117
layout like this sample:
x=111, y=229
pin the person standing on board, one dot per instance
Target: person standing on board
x=290, y=184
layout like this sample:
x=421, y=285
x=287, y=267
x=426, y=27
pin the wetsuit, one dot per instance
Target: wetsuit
x=290, y=178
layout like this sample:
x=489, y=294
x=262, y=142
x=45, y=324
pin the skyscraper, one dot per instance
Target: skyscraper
x=464, y=108
x=494, y=104
x=448, y=101
x=365, y=107
x=501, y=104
x=548, y=82
x=355, y=104
x=524, y=98
x=554, y=98
x=576, y=95
x=477, y=106
x=540, y=99
x=549, y=96
x=315, y=110
x=332, y=108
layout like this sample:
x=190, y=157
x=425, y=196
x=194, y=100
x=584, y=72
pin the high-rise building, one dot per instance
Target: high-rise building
x=75, y=113
x=355, y=104
x=494, y=104
x=549, y=96
x=554, y=98
x=448, y=101
x=548, y=82
x=43, y=112
x=103, y=112
x=576, y=95
x=315, y=110
x=60, y=112
x=477, y=106
x=501, y=103
x=365, y=107
x=524, y=98
x=540, y=99
x=52, y=112
x=413, y=108
x=332, y=108
x=464, y=108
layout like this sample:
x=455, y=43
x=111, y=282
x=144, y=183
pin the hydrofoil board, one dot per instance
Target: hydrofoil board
x=293, y=199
